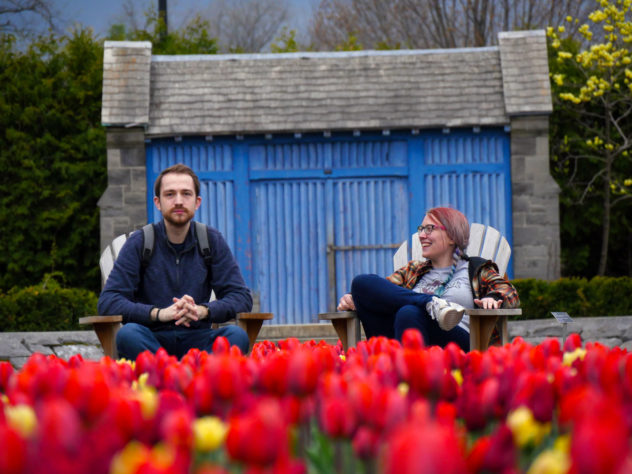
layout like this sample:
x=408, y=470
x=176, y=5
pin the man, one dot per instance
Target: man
x=166, y=302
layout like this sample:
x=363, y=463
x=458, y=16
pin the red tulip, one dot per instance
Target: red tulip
x=59, y=424
x=199, y=394
x=599, y=442
x=146, y=364
x=123, y=417
x=176, y=428
x=289, y=344
x=259, y=437
x=220, y=345
x=431, y=447
x=573, y=341
x=470, y=407
x=6, y=370
x=337, y=417
x=303, y=369
x=176, y=377
x=365, y=442
x=13, y=452
x=412, y=339
x=87, y=391
x=535, y=391
x=494, y=453
x=228, y=375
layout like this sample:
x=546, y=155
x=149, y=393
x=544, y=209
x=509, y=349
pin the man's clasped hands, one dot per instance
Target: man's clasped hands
x=183, y=311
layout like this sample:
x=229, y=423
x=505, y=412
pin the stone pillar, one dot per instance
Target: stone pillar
x=535, y=199
x=123, y=205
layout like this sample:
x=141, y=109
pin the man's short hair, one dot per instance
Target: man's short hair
x=178, y=168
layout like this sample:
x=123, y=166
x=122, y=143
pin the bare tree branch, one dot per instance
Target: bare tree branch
x=246, y=25
x=435, y=23
x=25, y=17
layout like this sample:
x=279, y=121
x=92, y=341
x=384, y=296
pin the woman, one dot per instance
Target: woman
x=431, y=296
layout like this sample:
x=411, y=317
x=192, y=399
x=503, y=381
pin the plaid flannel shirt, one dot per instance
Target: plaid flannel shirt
x=487, y=282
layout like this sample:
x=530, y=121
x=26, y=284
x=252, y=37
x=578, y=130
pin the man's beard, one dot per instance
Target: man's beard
x=178, y=220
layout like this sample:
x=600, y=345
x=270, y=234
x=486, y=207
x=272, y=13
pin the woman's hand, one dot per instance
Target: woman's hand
x=488, y=303
x=346, y=303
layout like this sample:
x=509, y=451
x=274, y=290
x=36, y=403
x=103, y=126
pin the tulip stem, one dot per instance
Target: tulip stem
x=338, y=457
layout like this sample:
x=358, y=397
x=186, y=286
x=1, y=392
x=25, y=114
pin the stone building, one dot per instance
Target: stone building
x=315, y=165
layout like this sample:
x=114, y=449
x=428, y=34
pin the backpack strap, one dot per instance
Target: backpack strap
x=148, y=244
x=202, y=238
x=200, y=232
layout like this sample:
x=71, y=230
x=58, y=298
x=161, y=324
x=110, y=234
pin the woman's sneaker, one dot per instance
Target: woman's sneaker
x=447, y=314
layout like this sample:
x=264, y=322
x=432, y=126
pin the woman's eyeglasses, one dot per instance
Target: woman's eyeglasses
x=428, y=228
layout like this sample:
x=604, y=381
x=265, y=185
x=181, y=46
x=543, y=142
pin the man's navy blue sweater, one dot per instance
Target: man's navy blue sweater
x=133, y=291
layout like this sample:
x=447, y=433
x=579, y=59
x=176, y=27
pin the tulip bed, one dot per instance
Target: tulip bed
x=299, y=408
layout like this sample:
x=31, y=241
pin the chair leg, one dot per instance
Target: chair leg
x=252, y=328
x=348, y=331
x=106, y=332
x=504, y=332
x=481, y=328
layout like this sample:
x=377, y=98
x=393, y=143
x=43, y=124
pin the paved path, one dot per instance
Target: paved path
x=17, y=347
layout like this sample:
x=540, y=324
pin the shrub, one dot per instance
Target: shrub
x=45, y=307
x=600, y=296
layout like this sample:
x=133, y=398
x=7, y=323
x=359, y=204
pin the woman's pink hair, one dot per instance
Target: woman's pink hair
x=457, y=227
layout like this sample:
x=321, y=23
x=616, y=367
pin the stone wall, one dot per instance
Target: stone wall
x=17, y=347
x=535, y=201
x=123, y=205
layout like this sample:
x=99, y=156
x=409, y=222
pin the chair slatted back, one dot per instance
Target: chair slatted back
x=485, y=241
x=109, y=255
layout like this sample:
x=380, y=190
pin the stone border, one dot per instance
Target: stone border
x=17, y=347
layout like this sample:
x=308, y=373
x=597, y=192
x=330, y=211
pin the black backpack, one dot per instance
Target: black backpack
x=202, y=239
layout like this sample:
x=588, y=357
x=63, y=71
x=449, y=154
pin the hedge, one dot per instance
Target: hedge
x=599, y=296
x=45, y=307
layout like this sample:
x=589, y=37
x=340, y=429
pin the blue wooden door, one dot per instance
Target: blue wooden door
x=323, y=212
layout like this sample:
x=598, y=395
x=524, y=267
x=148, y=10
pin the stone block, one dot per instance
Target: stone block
x=523, y=146
x=138, y=216
x=517, y=166
x=120, y=177
x=538, y=124
x=113, y=158
x=522, y=188
x=542, y=146
x=122, y=228
x=139, y=179
x=133, y=156
x=135, y=198
x=42, y=349
x=627, y=346
x=12, y=347
x=18, y=362
x=112, y=198
x=125, y=137
x=89, y=352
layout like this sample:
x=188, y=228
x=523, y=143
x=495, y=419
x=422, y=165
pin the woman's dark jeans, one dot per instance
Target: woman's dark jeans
x=386, y=309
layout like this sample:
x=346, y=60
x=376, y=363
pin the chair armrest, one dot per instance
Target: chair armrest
x=101, y=319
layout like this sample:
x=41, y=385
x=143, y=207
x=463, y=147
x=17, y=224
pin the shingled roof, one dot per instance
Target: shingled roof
x=302, y=92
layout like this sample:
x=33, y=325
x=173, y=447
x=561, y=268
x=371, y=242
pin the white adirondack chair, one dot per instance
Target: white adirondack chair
x=106, y=327
x=486, y=242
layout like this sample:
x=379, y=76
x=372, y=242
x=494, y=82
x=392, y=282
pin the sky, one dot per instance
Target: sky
x=100, y=14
